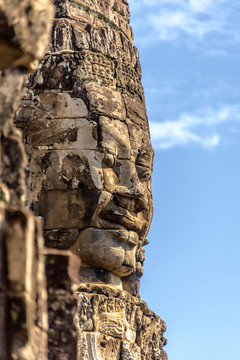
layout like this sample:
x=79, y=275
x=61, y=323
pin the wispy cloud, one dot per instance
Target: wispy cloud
x=190, y=20
x=172, y=24
x=203, y=128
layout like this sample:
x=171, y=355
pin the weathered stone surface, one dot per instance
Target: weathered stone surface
x=23, y=39
x=61, y=238
x=105, y=101
x=22, y=287
x=113, y=324
x=23, y=311
x=90, y=161
x=13, y=160
x=61, y=274
x=62, y=134
x=136, y=111
x=60, y=106
x=74, y=208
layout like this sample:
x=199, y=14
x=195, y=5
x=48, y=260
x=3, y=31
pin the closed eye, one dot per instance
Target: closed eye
x=144, y=173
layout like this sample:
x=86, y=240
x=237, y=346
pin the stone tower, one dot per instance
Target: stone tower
x=87, y=139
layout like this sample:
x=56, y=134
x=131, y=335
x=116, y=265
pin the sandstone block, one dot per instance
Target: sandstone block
x=61, y=106
x=74, y=208
x=105, y=101
x=23, y=38
x=61, y=238
x=61, y=273
x=136, y=111
x=115, y=132
x=62, y=134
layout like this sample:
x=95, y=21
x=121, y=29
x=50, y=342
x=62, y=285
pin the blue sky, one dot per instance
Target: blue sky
x=190, y=56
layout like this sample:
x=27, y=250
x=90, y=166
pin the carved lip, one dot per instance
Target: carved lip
x=128, y=270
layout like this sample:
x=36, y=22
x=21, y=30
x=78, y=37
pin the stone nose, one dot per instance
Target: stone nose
x=136, y=191
x=131, y=198
x=129, y=184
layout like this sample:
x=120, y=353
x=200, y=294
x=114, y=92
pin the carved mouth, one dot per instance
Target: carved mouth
x=127, y=269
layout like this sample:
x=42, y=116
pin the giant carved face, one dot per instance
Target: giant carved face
x=122, y=216
x=95, y=193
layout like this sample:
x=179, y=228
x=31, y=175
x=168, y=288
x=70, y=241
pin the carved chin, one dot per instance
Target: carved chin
x=112, y=250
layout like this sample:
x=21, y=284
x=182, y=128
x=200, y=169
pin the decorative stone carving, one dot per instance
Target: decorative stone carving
x=111, y=323
x=90, y=162
x=87, y=137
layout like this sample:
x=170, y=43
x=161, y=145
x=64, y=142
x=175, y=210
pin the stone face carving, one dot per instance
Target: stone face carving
x=87, y=137
x=90, y=161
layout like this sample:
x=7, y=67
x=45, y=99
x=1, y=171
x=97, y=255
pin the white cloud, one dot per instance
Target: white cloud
x=193, y=18
x=200, y=5
x=185, y=20
x=202, y=129
x=169, y=25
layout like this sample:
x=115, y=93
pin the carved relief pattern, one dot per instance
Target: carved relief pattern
x=121, y=327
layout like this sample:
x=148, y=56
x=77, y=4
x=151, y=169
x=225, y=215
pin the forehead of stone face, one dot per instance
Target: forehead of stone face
x=114, y=137
x=60, y=122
